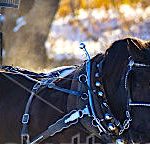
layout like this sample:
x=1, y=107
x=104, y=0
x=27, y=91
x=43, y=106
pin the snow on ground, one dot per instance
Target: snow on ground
x=98, y=28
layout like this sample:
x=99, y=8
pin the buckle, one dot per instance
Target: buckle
x=76, y=114
x=25, y=119
x=25, y=139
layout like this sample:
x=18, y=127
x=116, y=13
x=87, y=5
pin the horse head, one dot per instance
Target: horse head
x=128, y=86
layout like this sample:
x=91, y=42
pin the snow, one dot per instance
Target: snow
x=98, y=28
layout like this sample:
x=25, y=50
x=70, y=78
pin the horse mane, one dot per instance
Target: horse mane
x=120, y=50
x=115, y=64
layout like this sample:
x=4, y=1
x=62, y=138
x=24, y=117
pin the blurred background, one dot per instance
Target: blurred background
x=43, y=34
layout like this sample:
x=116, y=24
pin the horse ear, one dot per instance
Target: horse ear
x=138, y=50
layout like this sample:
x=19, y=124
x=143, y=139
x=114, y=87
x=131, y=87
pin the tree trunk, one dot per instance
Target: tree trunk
x=25, y=46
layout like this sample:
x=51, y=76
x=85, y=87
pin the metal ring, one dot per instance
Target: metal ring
x=94, y=121
x=80, y=113
x=84, y=96
x=83, y=78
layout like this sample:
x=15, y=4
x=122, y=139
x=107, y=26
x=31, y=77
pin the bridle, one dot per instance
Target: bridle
x=130, y=103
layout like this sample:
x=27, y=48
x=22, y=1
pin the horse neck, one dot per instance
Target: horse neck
x=113, y=71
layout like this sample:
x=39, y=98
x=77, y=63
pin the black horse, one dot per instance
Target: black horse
x=120, y=88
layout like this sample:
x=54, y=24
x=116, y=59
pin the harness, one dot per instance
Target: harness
x=106, y=125
x=102, y=120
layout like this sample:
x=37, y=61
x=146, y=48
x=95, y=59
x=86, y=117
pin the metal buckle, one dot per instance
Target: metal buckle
x=25, y=119
x=25, y=139
x=77, y=114
x=84, y=96
x=83, y=78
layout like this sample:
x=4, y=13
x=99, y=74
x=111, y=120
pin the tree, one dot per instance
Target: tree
x=24, y=42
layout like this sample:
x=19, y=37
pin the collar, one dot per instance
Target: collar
x=112, y=126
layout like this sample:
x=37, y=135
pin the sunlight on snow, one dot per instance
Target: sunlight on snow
x=98, y=28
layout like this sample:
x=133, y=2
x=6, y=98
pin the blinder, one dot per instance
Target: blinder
x=132, y=66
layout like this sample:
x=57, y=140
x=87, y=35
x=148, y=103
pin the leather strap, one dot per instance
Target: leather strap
x=67, y=121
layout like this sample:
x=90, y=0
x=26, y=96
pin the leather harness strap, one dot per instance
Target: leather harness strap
x=67, y=121
x=49, y=82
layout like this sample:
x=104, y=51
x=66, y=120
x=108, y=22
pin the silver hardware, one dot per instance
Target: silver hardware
x=86, y=111
x=101, y=129
x=111, y=127
x=94, y=91
x=131, y=63
x=84, y=96
x=83, y=78
x=141, y=65
x=97, y=123
x=94, y=122
x=25, y=139
x=98, y=65
x=73, y=117
x=140, y=104
x=82, y=45
x=120, y=141
x=98, y=84
x=88, y=71
x=97, y=75
x=100, y=93
x=25, y=119
x=126, y=125
x=78, y=114
x=108, y=116
x=105, y=104
x=36, y=140
x=128, y=114
x=117, y=123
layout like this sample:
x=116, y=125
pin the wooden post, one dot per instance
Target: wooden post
x=5, y=4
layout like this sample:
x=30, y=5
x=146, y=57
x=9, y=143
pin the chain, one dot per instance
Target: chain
x=126, y=123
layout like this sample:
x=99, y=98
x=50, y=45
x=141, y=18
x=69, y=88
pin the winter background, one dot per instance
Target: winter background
x=98, y=28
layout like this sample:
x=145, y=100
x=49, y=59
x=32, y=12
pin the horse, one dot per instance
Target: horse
x=62, y=107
